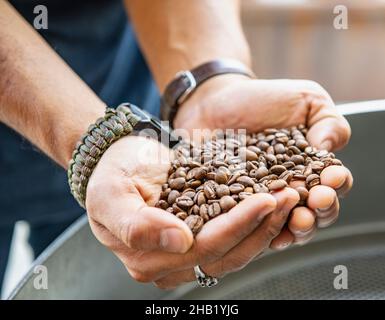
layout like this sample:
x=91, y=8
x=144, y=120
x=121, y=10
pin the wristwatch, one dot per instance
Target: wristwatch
x=186, y=82
x=126, y=119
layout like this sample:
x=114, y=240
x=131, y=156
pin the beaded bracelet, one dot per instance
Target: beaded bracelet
x=115, y=124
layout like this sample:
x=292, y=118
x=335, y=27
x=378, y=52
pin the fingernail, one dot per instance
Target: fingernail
x=173, y=240
x=326, y=145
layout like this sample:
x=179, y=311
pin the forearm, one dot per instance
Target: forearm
x=40, y=96
x=181, y=34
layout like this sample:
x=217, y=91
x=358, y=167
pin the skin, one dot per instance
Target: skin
x=40, y=98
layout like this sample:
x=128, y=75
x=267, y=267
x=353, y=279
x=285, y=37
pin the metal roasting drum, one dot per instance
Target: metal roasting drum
x=81, y=268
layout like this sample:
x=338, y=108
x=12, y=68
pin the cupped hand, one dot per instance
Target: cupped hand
x=156, y=246
x=235, y=101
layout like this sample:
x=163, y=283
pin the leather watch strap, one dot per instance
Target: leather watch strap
x=185, y=82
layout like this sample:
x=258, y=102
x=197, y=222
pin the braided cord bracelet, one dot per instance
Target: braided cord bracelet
x=115, y=124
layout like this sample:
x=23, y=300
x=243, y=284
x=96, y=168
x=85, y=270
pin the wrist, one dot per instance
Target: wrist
x=199, y=104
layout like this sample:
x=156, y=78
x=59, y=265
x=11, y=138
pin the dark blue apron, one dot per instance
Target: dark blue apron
x=96, y=40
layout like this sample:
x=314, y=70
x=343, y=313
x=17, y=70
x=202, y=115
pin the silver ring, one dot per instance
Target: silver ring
x=203, y=279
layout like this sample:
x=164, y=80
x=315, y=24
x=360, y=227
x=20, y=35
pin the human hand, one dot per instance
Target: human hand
x=234, y=101
x=156, y=246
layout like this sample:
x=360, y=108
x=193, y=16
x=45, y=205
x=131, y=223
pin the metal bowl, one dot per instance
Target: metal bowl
x=80, y=268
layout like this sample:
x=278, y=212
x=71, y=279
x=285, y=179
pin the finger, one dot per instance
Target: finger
x=141, y=227
x=305, y=238
x=324, y=202
x=337, y=177
x=283, y=240
x=328, y=129
x=224, y=232
x=250, y=247
x=301, y=221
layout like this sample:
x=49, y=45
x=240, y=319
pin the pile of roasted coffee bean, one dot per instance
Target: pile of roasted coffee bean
x=210, y=179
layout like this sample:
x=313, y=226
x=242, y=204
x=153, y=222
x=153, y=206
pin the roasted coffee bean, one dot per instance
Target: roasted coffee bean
x=244, y=195
x=221, y=177
x=297, y=159
x=195, y=223
x=226, y=203
x=260, y=188
x=269, y=177
x=249, y=189
x=214, y=210
x=236, y=188
x=189, y=193
x=182, y=215
x=301, y=144
x=279, y=148
x=193, y=183
x=277, y=169
x=289, y=165
x=172, y=196
x=303, y=195
x=204, y=212
x=194, y=209
x=222, y=190
x=184, y=202
x=209, y=191
x=274, y=185
x=317, y=166
x=178, y=183
x=261, y=172
x=176, y=208
x=200, y=198
x=162, y=204
x=271, y=159
x=307, y=171
x=164, y=194
x=246, y=181
x=312, y=180
x=287, y=176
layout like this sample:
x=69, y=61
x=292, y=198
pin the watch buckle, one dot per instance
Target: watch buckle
x=192, y=84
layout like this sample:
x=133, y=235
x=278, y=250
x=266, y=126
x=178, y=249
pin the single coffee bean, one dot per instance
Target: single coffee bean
x=193, y=183
x=301, y=144
x=189, y=193
x=176, y=208
x=279, y=148
x=222, y=190
x=297, y=159
x=307, y=171
x=287, y=176
x=269, y=177
x=249, y=189
x=271, y=159
x=277, y=169
x=209, y=191
x=246, y=181
x=317, y=166
x=289, y=165
x=214, y=210
x=204, y=212
x=182, y=215
x=184, y=202
x=178, y=183
x=195, y=223
x=200, y=198
x=164, y=194
x=303, y=195
x=194, y=209
x=274, y=185
x=221, y=177
x=162, y=204
x=226, y=203
x=260, y=188
x=236, y=188
x=244, y=195
x=312, y=180
x=172, y=196
x=261, y=172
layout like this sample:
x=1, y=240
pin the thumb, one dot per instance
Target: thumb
x=331, y=133
x=141, y=227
